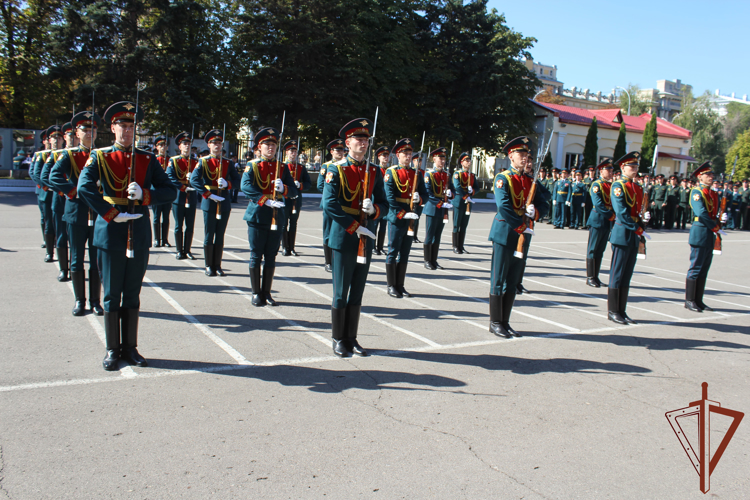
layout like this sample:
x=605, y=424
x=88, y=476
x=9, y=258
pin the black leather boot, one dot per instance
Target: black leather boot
x=496, y=316
x=165, y=233
x=613, y=306
x=351, y=328
x=268, y=270
x=111, y=340
x=381, y=240
x=520, y=289
x=157, y=233
x=187, y=244
x=62, y=260
x=291, y=241
x=285, y=243
x=390, y=278
x=44, y=240
x=79, y=290
x=591, y=274
x=455, y=243
x=428, y=257
x=416, y=231
x=461, y=240
x=258, y=298
x=435, y=249
x=50, y=247
x=597, y=269
x=340, y=340
x=208, y=255
x=508, y=300
x=690, y=288
x=218, y=255
x=624, y=304
x=129, y=331
x=178, y=243
x=95, y=292
x=401, y=277
x=700, y=289
x=327, y=252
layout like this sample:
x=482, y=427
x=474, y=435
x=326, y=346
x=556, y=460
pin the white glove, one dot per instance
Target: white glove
x=647, y=217
x=367, y=206
x=189, y=188
x=567, y=203
x=645, y=235
x=411, y=215
x=222, y=183
x=134, y=191
x=724, y=217
x=296, y=183
x=721, y=232
x=215, y=198
x=274, y=204
x=583, y=204
x=448, y=193
x=530, y=211
x=469, y=200
x=363, y=231
x=278, y=186
x=124, y=217
x=471, y=190
x=98, y=184
x=416, y=197
x=528, y=230
x=554, y=202
x=447, y=205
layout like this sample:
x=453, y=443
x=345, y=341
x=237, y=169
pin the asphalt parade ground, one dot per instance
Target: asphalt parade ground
x=245, y=402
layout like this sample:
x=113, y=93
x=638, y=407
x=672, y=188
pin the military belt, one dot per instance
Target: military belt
x=119, y=201
x=350, y=211
x=211, y=188
x=562, y=192
x=403, y=200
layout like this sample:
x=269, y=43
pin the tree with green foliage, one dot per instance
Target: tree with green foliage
x=736, y=121
x=650, y=140
x=637, y=103
x=622, y=143
x=547, y=162
x=707, y=131
x=740, y=150
x=591, y=146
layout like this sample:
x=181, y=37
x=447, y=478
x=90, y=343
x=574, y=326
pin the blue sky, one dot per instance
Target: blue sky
x=598, y=45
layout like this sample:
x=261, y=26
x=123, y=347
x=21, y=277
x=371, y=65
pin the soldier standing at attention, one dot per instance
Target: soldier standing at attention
x=745, y=192
x=382, y=154
x=207, y=177
x=577, y=200
x=673, y=199
x=344, y=201
x=464, y=187
x=261, y=186
x=659, y=201
x=599, y=222
x=508, y=224
x=399, y=184
x=703, y=232
x=733, y=208
x=560, y=199
x=78, y=216
x=41, y=194
x=161, y=212
x=57, y=203
x=185, y=204
x=551, y=182
x=336, y=148
x=627, y=200
x=683, y=207
x=293, y=206
x=588, y=180
x=438, y=190
x=122, y=276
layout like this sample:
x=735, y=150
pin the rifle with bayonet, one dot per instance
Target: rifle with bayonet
x=362, y=248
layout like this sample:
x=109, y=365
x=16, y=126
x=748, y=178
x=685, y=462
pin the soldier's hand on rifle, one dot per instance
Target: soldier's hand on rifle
x=583, y=204
x=222, y=183
x=296, y=183
x=469, y=200
x=530, y=211
x=567, y=203
x=411, y=215
x=278, y=186
x=724, y=217
x=367, y=206
x=134, y=191
x=722, y=232
x=124, y=217
x=528, y=230
x=215, y=198
x=646, y=235
x=189, y=188
x=448, y=193
x=471, y=190
x=554, y=202
x=274, y=204
x=447, y=205
x=363, y=231
x=647, y=217
x=416, y=197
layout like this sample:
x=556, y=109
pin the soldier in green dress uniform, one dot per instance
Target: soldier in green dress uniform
x=122, y=266
x=41, y=194
x=209, y=177
x=659, y=202
x=744, y=204
x=161, y=212
x=185, y=204
x=352, y=186
x=627, y=201
x=382, y=155
x=560, y=193
x=78, y=215
x=588, y=180
x=265, y=214
x=683, y=206
x=733, y=208
x=511, y=188
x=577, y=200
x=599, y=222
x=436, y=208
x=464, y=187
x=293, y=206
x=705, y=229
x=57, y=202
x=399, y=184
x=336, y=148
x=673, y=199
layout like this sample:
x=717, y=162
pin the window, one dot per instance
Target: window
x=573, y=160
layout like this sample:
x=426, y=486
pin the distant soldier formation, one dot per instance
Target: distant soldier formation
x=372, y=201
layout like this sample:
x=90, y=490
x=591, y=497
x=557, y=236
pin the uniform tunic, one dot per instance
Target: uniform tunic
x=321, y=185
x=461, y=182
x=627, y=201
x=577, y=199
x=293, y=206
x=560, y=193
x=205, y=180
x=186, y=201
x=436, y=184
x=342, y=197
x=601, y=218
x=122, y=277
x=58, y=201
x=399, y=182
x=258, y=185
x=703, y=232
x=44, y=197
x=161, y=211
x=508, y=224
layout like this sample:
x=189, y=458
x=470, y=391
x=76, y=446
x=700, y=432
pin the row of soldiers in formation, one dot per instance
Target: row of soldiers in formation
x=105, y=192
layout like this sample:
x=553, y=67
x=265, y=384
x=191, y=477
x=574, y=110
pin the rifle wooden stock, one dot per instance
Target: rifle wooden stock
x=526, y=220
x=642, y=242
x=718, y=241
x=362, y=249
x=410, y=231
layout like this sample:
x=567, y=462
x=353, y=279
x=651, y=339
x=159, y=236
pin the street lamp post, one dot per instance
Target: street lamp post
x=629, y=99
x=537, y=94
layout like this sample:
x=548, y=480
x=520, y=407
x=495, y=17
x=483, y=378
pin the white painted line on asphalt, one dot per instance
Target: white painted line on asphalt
x=239, y=358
